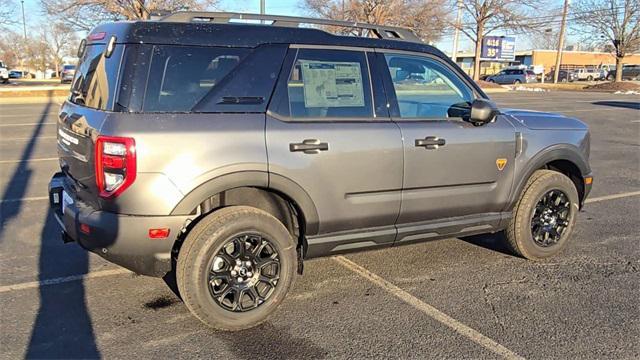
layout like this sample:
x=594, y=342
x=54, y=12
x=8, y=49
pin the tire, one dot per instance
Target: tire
x=519, y=235
x=589, y=78
x=610, y=77
x=203, y=249
x=517, y=82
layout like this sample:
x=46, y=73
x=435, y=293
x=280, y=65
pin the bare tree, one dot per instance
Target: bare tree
x=62, y=41
x=428, y=18
x=611, y=22
x=482, y=17
x=544, y=40
x=7, y=10
x=85, y=14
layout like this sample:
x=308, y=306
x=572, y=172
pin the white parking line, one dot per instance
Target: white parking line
x=429, y=310
x=612, y=197
x=36, y=198
x=23, y=115
x=30, y=160
x=27, y=138
x=27, y=124
x=61, y=280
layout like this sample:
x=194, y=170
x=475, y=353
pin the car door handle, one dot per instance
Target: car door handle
x=309, y=146
x=430, y=142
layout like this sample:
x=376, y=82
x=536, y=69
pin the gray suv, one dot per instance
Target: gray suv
x=225, y=154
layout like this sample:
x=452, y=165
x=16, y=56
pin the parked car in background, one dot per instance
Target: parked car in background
x=563, y=76
x=18, y=74
x=587, y=74
x=629, y=72
x=67, y=73
x=4, y=72
x=513, y=76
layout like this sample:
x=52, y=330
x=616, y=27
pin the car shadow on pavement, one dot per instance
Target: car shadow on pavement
x=17, y=186
x=268, y=342
x=495, y=242
x=63, y=328
x=635, y=105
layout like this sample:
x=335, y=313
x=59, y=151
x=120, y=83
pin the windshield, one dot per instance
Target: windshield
x=94, y=84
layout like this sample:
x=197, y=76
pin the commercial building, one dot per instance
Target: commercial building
x=547, y=58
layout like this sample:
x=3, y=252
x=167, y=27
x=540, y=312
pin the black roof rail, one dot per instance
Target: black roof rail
x=380, y=31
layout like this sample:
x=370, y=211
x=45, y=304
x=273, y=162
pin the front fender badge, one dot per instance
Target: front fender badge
x=501, y=163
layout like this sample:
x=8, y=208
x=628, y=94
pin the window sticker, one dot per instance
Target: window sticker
x=332, y=84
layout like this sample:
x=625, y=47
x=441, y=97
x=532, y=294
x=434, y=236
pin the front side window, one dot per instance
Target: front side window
x=180, y=76
x=427, y=89
x=331, y=84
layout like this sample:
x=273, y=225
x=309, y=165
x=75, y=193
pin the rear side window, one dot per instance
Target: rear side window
x=332, y=84
x=180, y=76
x=94, y=84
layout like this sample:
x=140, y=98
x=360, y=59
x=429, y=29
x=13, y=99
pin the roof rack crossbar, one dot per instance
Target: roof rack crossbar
x=381, y=31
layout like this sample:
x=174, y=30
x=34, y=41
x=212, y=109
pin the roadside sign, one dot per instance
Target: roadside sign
x=498, y=48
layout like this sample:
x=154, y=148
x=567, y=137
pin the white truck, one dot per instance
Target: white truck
x=4, y=73
x=588, y=74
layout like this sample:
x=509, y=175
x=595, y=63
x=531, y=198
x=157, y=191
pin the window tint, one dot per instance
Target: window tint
x=329, y=84
x=180, y=76
x=95, y=79
x=427, y=89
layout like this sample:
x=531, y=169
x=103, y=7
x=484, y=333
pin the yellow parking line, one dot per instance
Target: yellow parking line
x=612, y=197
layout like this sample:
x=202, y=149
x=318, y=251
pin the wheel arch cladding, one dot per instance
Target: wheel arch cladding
x=286, y=201
x=563, y=158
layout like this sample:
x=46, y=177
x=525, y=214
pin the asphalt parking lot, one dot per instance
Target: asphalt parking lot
x=454, y=298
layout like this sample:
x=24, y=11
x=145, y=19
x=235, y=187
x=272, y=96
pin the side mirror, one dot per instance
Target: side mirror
x=483, y=111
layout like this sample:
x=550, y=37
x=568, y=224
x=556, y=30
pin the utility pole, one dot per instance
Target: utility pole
x=454, y=51
x=24, y=23
x=565, y=9
x=262, y=9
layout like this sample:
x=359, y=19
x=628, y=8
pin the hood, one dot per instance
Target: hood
x=539, y=120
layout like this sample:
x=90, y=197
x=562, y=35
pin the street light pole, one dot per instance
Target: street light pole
x=565, y=9
x=454, y=52
x=24, y=23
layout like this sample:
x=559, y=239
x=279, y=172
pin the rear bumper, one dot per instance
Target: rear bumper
x=121, y=239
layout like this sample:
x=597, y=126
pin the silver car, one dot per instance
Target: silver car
x=513, y=76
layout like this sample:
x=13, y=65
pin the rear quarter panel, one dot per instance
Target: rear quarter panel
x=178, y=152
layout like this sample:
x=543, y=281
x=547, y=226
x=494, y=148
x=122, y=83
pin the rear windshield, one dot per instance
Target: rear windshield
x=94, y=84
x=180, y=76
x=68, y=67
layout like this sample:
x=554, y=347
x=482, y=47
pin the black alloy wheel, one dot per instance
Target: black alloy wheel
x=550, y=218
x=244, y=273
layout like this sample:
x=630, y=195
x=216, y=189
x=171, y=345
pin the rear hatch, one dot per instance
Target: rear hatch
x=82, y=116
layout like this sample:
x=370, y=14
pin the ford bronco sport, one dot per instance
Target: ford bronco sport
x=227, y=153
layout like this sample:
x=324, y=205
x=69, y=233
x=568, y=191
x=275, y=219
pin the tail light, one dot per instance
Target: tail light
x=115, y=161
